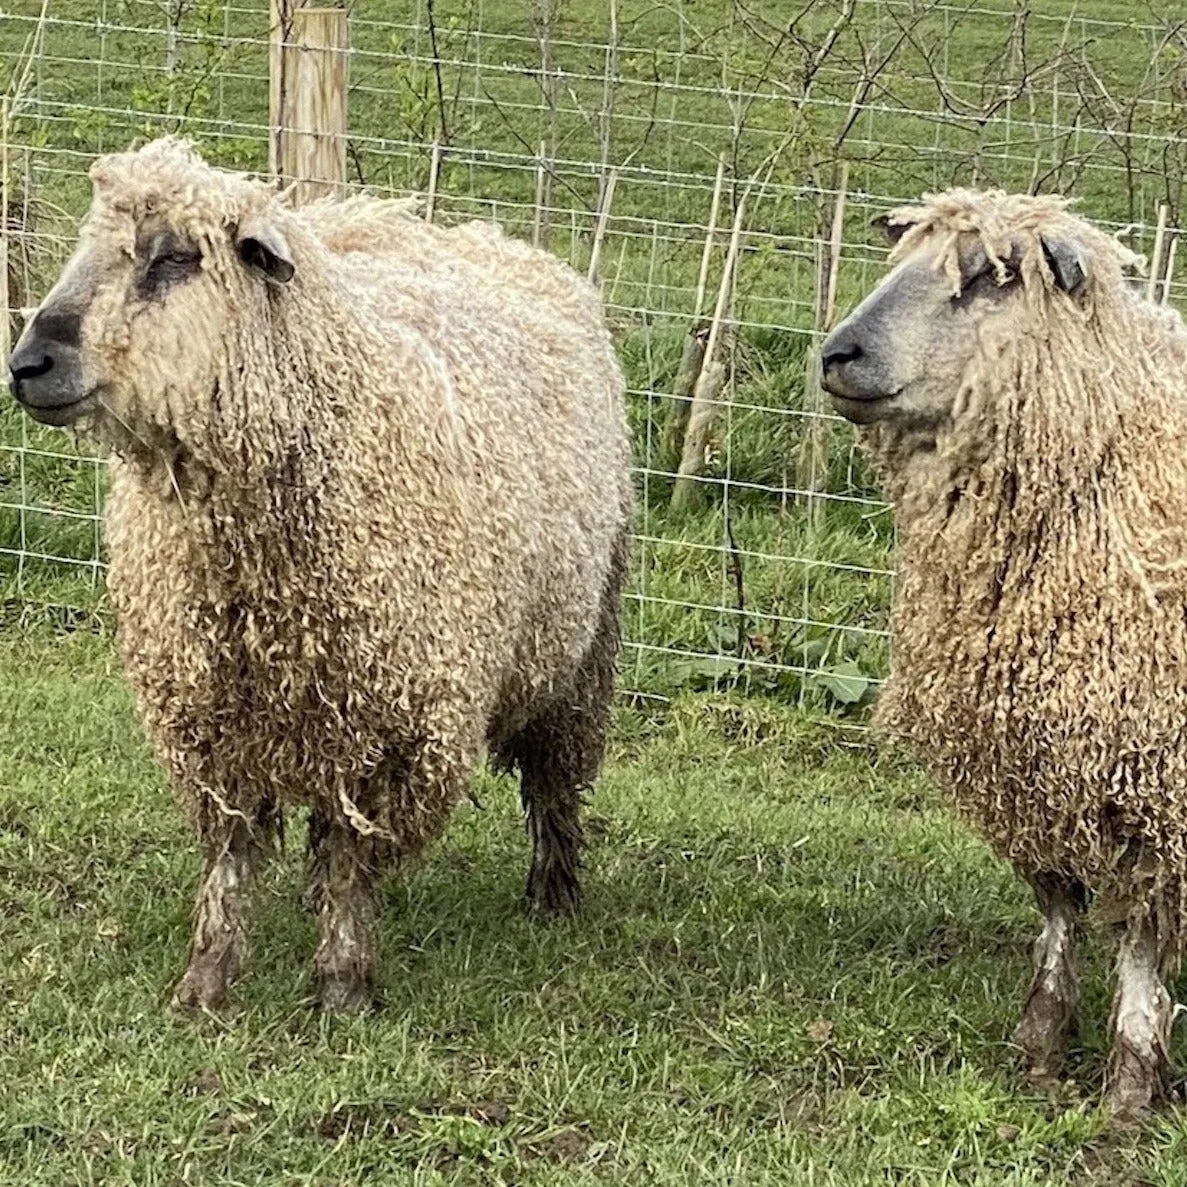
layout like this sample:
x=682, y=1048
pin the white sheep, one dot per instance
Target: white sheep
x=1029, y=409
x=369, y=513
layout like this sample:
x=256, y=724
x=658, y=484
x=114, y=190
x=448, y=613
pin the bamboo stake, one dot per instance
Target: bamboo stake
x=5, y=336
x=710, y=381
x=692, y=358
x=434, y=172
x=727, y=278
x=812, y=469
x=603, y=219
x=1156, y=258
x=538, y=212
x=707, y=251
x=835, y=244
x=1170, y=270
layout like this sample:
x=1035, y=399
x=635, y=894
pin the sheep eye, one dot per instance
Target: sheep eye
x=985, y=280
x=172, y=263
x=180, y=258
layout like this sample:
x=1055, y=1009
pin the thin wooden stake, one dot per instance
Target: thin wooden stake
x=434, y=172
x=603, y=219
x=711, y=379
x=5, y=339
x=280, y=30
x=1156, y=258
x=727, y=280
x=1170, y=270
x=707, y=251
x=812, y=466
x=538, y=212
x=834, y=249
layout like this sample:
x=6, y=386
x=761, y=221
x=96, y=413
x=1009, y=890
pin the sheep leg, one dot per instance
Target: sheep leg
x=1139, y=1064
x=559, y=753
x=344, y=885
x=317, y=852
x=552, y=804
x=220, y=933
x=1049, y=1013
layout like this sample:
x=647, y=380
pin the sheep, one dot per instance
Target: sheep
x=1028, y=411
x=368, y=518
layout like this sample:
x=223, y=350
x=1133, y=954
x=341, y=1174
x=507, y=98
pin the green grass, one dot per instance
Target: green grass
x=794, y=967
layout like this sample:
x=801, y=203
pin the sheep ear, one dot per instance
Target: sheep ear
x=893, y=231
x=1068, y=262
x=261, y=246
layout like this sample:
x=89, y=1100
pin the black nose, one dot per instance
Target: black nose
x=31, y=362
x=837, y=354
x=45, y=369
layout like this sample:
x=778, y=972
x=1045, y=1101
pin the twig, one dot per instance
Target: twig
x=432, y=22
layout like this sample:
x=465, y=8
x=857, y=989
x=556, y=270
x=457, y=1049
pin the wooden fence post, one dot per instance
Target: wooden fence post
x=309, y=65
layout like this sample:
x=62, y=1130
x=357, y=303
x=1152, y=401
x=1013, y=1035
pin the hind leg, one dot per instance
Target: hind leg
x=1049, y=1014
x=551, y=793
x=558, y=754
x=232, y=847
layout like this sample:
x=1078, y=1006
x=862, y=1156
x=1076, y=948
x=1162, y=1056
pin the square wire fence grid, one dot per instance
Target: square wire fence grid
x=763, y=550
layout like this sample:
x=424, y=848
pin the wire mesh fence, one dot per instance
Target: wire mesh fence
x=772, y=571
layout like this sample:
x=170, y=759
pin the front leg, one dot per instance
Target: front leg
x=1139, y=1063
x=1049, y=1013
x=231, y=847
x=343, y=878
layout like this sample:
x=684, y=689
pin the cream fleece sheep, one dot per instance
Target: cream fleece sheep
x=1030, y=411
x=368, y=517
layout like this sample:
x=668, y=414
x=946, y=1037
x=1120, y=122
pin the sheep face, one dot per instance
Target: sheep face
x=148, y=315
x=904, y=356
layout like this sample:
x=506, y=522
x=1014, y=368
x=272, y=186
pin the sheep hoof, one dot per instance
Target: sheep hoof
x=1136, y=1085
x=345, y=995
x=552, y=896
x=199, y=990
x=1042, y=1035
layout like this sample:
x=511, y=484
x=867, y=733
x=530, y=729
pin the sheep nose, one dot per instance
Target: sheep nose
x=837, y=353
x=45, y=369
x=30, y=360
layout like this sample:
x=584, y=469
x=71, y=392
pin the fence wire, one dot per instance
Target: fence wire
x=775, y=575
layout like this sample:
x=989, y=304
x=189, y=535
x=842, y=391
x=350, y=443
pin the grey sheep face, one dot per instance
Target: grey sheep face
x=142, y=317
x=902, y=357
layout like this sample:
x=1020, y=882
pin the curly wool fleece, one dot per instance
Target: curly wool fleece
x=392, y=532
x=1039, y=629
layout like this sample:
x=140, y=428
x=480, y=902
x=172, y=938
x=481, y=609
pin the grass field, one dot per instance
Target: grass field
x=794, y=967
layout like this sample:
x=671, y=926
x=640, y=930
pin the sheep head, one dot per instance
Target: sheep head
x=164, y=298
x=974, y=274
